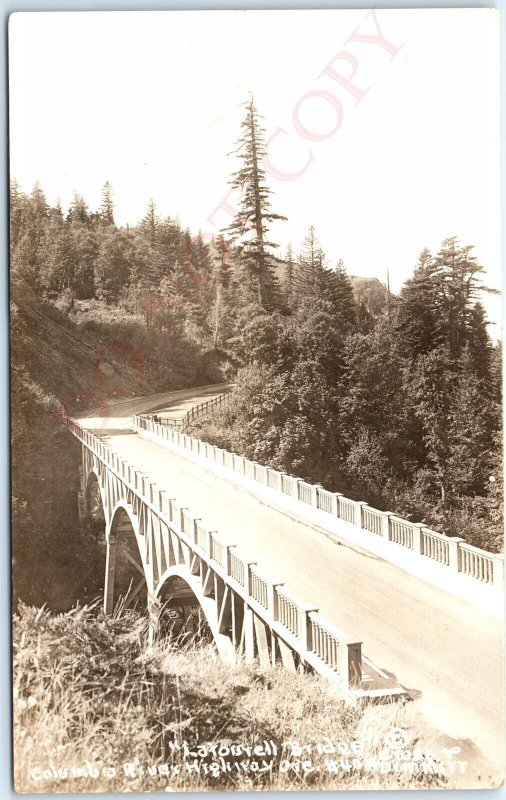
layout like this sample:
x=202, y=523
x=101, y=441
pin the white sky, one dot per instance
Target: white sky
x=151, y=101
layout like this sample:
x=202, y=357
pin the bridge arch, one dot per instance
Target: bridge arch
x=127, y=575
x=178, y=588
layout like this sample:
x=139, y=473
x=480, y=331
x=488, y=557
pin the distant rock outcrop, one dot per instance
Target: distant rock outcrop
x=371, y=293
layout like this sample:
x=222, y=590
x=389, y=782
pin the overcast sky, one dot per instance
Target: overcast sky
x=400, y=158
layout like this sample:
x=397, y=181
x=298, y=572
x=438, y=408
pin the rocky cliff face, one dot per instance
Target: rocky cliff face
x=370, y=292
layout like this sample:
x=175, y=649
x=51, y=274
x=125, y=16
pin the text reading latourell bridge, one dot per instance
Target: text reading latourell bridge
x=289, y=572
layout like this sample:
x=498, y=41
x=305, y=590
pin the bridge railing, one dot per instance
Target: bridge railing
x=319, y=644
x=195, y=412
x=451, y=552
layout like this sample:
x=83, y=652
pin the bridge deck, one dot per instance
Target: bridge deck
x=436, y=644
x=448, y=653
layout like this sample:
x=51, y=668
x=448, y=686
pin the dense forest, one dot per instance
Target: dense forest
x=395, y=400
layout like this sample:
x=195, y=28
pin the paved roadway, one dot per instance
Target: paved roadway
x=442, y=649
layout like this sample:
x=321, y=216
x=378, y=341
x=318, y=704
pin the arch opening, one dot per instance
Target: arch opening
x=126, y=584
x=180, y=617
x=95, y=512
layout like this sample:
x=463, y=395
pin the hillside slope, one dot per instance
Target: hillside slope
x=59, y=367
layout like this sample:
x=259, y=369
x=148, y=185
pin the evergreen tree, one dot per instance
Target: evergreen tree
x=470, y=432
x=78, y=211
x=479, y=344
x=431, y=394
x=458, y=273
x=221, y=281
x=106, y=212
x=342, y=298
x=149, y=225
x=418, y=321
x=289, y=277
x=250, y=227
x=113, y=263
x=58, y=257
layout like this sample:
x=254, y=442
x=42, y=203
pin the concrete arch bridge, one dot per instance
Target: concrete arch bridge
x=286, y=572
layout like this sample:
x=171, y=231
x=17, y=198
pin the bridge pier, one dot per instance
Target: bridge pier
x=110, y=573
x=82, y=506
x=249, y=635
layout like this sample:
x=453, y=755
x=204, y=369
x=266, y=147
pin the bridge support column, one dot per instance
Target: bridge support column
x=249, y=635
x=110, y=573
x=154, y=607
x=82, y=510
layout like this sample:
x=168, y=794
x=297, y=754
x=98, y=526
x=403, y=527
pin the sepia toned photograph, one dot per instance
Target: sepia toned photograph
x=256, y=401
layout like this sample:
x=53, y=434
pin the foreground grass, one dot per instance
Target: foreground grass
x=94, y=710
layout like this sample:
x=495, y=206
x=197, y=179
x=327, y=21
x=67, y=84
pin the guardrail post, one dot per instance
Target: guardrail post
x=455, y=553
x=359, y=504
x=247, y=576
x=351, y=662
x=137, y=480
x=304, y=633
x=334, y=501
x=151, y=494
x=209, y=542
x=164, y=502
x=314, y=496
x=273, y=600
x=229, y=557
x=195, y=530
x=417, y=537
x=385, y=524
x=498, y=570
x=181, y=517
x=277, y=475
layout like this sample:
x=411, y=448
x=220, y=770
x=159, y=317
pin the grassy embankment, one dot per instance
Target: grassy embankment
x=89, y=697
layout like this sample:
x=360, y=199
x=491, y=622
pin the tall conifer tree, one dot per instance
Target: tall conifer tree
x=251, y=225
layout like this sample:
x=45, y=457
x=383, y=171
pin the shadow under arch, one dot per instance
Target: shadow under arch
x=196, y=615
x=126, y=580
x=95, y=506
